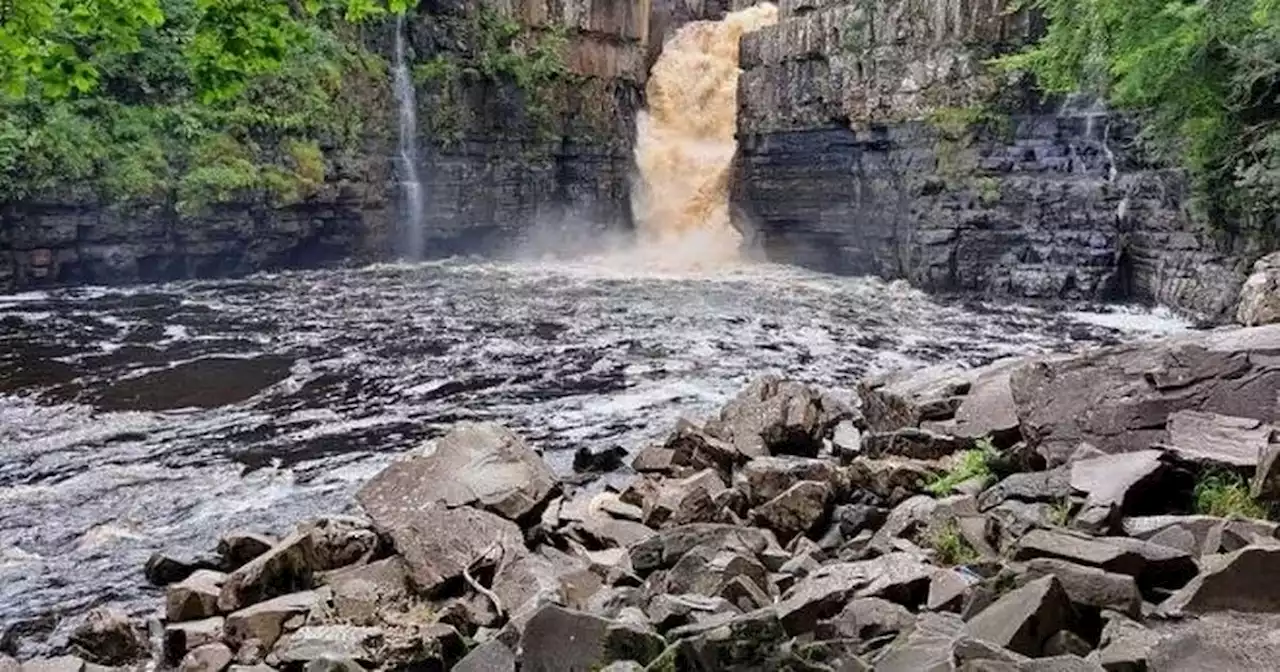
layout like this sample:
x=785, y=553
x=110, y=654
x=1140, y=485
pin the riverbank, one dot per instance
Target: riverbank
x=1084, y=508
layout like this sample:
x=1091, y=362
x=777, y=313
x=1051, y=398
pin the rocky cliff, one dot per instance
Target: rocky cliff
x=875, y=139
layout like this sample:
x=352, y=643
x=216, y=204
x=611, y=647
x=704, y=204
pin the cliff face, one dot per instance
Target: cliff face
x=873, y=139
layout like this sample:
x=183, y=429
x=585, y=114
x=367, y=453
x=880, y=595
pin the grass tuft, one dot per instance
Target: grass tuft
x=1226, y=494
x=952, y=547
x=974, y=463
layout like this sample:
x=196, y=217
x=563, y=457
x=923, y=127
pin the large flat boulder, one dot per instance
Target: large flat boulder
x=767, y=477
x=1119, y=399
x=1112, y=481
x=1090, y=586
x=440, y=542
x=797, y=510
x=475, y=463
x=898, y=577
x=1217, y=439
x=664, y=549
x=264, y=622
x=1239, y=581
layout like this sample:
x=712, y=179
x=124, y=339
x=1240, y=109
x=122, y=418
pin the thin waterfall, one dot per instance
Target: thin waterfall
x=412, y=236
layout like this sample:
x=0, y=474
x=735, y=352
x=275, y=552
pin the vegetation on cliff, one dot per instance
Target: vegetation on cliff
x=1206, y=77
x=202, y=99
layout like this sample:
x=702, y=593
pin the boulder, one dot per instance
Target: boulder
x=1066, y=643
x=558, y=639
x=914, y=443
x=1220, y=641
x=654, y=459
x=610, y=532
x=179, y=638
x=239, y=548
x=8, y=664
x=265, y=621
x=948, y=589
x=286, y=568
x=602, y=462
x=475, y=463
x=907, y=398
x=988, y=410
x=340, y=541
x=1215, y=439
x=867, y=618
x=1119, y=398
x=1090, y=586
x=684, y=501
x=662, y=550
x=798, y=510
x=162, y=569
x=313, y=642
x=1162, y=566
x=695, y=449
x=1199, y=535
x=58, y=664
x=746, y=642
x=490, y=656
x=667, y=611
x=1038, y=486
x=1080, y=550
x=1024, y=619
x=764, y=478
x=854, y=518
x=1265, y=484
x=537, y=578
x=438, y=544
x=1233, y=581
x=905, y=519
x=773, y=416
x=107, y=637
x=892, y=480
x=707, y=570
x=1124, y=643
x=360, y=591
x=899, y=577
x=208, y=658
x=1114, y=482
x=928, y=645
x=1259, y=301
x=194, y=597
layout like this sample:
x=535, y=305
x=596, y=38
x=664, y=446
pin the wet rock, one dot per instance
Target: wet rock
x=339, y=541
x=437, y=545
x=286, y=568
x=1232, y=581
x=1090, y=586
x=773, y=416
x=1119, y=398
x=208, y=658
x=664, y=549
x=746, y=642
x=1216, y=439
x=490, y=656
x=1040, y=486
x=162, y=569
x=312, y=642
x=108, y=638
x=603, y=462
x=239, y=548
x=768, y=477
x=796, y=511
x=58, y=664
x=910, y=442
x=1024, y=619
x=1114, y=482
x=867, y=618
x=194, y=597
x=480, y=463
x=265, y=621
x=899, y=577
x=1259, y=301
x=179, y=638
x=1080, y=550
x=684, y=501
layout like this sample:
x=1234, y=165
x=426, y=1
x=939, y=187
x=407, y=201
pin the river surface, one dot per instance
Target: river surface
x=159, y=417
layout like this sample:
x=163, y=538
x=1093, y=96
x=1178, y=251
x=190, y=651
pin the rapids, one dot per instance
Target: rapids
x=159, y=417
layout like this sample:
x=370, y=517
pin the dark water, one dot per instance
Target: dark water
x=159, y=417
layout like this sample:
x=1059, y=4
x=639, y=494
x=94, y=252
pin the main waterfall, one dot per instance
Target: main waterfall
x=412, y=241
x=685, y=142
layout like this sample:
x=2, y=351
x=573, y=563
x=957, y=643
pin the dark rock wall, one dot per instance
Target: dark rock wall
x=872, y=139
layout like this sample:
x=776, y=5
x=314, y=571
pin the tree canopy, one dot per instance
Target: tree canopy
x=1204, y=76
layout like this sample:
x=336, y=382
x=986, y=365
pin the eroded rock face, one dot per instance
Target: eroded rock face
x=1260, y=295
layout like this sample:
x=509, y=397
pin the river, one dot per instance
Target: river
x=159, y=417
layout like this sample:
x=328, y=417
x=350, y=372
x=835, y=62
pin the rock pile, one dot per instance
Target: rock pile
x=795, y=531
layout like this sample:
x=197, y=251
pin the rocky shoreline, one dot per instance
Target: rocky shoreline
x=1033, y=514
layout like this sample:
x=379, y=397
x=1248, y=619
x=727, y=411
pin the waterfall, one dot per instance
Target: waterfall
x=685, y=141
x=412, y=236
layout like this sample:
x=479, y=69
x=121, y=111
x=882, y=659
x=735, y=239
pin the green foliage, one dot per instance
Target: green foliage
x=972, y=464
x=1060, y=512
x=988, y=190
x=208, y=98
x=951, y=546
x=1226, y=494
x=1205, y=77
